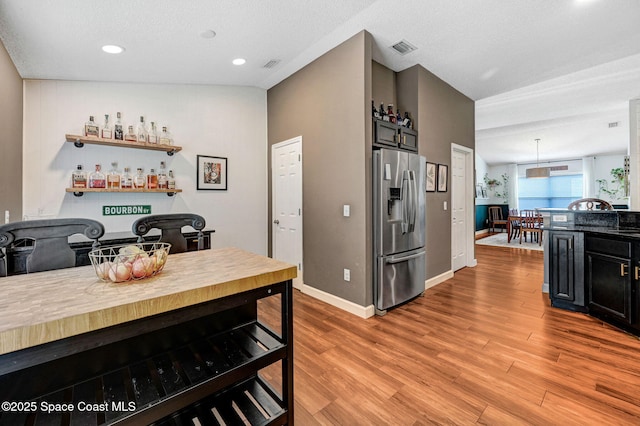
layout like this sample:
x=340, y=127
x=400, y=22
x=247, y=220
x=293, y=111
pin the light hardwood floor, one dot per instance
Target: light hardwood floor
x=484, y=347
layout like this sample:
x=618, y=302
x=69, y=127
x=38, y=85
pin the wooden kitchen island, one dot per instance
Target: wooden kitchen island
x=183, y=347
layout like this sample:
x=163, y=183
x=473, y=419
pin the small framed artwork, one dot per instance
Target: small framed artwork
x=431, y=177
x=212, y=173
x=479, y=191
x=443, y=171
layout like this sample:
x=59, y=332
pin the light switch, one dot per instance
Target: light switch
x=346, y=210
x=445, y=205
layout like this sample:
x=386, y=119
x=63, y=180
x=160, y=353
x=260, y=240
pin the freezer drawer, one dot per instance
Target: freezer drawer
x=399, y=278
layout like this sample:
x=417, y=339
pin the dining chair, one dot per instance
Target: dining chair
x=496, y=218
x=514, y=224
x=531, y=223
x=590, y=204
x=170, y=226
x=50, y=238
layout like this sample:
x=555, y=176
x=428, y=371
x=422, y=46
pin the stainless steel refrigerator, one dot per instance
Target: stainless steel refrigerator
x=399, y=227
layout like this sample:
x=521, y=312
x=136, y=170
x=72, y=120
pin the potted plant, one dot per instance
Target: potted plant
x=616, y=187
x=492, y=184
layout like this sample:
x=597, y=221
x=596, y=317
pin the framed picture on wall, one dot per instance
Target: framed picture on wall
x=212, y=173
x=443, y=171
x=431, y=177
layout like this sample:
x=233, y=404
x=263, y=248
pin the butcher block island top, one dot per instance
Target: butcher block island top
x=48, y=306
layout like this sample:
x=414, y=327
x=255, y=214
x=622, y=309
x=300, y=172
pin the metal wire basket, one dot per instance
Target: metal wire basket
x=129, y=261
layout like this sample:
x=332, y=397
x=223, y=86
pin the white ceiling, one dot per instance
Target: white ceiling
x=558, y=70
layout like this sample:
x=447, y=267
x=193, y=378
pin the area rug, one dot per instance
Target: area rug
x=500, y=240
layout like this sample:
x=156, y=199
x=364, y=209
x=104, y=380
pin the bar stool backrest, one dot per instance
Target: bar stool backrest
x=50, y=237
x=171, y=227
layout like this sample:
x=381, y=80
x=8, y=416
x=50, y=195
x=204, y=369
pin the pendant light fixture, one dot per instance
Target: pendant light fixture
x=537, y=172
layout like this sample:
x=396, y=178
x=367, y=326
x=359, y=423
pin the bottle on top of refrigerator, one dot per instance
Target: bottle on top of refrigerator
x=165, y=137
x=153, y=133
x=91, y=128
x=171, y=181
x=113, y=177
x=162, y=177
x=79, y=178
x=126, y=181
x=97, y=178
x=118, y=132
x=130, y=136
x=107, y=132
x=141, y=132
x=139, y=180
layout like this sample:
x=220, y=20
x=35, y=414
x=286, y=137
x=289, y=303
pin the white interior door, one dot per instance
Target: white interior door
x=286, y=194
x=458, y=211
x=462, y=208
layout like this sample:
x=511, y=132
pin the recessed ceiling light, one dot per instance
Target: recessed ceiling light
x=208, y=34
x=239, y=61
x=112, y=48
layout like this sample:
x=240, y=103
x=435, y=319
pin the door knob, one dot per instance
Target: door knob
x=276, y=221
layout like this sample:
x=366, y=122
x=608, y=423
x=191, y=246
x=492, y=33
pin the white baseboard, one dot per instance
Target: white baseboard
x=338, y=302
x=482, y=231
x=545, y=287
x=354, y=308
x=438, y=279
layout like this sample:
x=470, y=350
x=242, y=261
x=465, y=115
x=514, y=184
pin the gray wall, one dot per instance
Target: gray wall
x=445, y=116
x=10, y=138
x=326, y=103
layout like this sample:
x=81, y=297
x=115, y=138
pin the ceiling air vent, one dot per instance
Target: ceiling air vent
x=272, y=63
x=403, y=47
x=614, y=124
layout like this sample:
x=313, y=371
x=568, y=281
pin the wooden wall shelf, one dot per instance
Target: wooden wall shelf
x=78, y=192
x=79, y=142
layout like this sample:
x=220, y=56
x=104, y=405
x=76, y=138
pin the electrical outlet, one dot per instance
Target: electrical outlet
x=347, y=275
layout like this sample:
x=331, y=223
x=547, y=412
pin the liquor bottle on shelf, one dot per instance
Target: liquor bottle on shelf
x=165, y=137
x=141, y=131
x=126, y=181
x=171, y=181
x=162, y=177
x=152, y=179
x=374, y=110
x=113, y=177
x=392, y=116
x=91, y=128
x=130, y=136
x=139, y=180
x=79, y=178
x=407, y=121
x=153, y=134
x=118, y=132
x=97, y=178
x=107, y=133
x=383, y=114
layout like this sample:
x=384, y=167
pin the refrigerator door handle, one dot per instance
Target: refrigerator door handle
x=405, y=195
x=393, y=260
x=414, y=201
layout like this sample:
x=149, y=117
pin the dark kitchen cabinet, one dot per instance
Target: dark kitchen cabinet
x=408, y=139
x=609, y=279
x=566, y=270
x=390, y=135
x=385, y=134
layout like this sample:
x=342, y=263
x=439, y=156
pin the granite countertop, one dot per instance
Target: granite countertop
x=52, y=305
x=611, y=231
